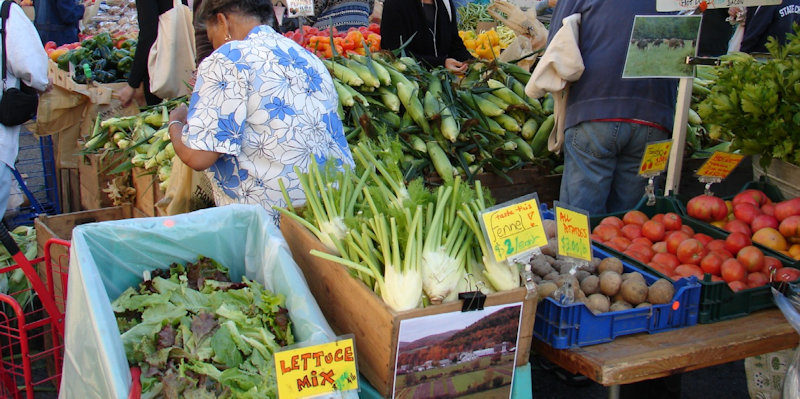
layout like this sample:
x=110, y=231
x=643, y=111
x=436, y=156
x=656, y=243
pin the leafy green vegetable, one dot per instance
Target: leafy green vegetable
x=757, y=102
x=196, y=334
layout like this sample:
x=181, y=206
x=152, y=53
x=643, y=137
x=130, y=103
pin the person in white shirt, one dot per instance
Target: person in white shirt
x=27, y=62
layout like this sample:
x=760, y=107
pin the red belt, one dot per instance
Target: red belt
x=636, y=121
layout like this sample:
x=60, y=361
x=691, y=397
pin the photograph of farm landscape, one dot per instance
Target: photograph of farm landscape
x=458, y=354
x=659, y=46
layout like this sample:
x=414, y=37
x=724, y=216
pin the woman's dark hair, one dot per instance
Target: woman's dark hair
x=261, y=9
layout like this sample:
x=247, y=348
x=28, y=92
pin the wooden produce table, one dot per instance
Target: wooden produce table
x=642, y=357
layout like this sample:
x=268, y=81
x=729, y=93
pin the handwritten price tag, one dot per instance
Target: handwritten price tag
x=317, y=370
x=573, y=233
x=720, y=165
x=655, y=158
x=514, y=228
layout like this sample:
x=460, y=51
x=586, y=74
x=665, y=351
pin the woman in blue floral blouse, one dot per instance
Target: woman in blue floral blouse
x=261, y=106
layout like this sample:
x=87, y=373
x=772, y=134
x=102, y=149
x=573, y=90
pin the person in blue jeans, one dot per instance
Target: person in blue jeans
x=57, y=20
x=609, y=120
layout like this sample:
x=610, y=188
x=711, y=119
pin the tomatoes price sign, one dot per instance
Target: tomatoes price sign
x=720, y=165
x=573, y=232
x=655, y=158
x=514, y=228
x=317, y=370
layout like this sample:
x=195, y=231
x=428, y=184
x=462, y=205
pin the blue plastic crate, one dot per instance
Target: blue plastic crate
x=36, y=167
x=566, y=326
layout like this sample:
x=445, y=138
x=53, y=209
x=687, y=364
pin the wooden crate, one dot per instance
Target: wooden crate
x=94, y=177
x=147, y=192
x=69, y=189
x=351, y=307
x=60, y=226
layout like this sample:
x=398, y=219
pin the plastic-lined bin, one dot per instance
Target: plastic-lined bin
x=717, y=301
x=771, y=192
x=36, y=168
x=109, y=257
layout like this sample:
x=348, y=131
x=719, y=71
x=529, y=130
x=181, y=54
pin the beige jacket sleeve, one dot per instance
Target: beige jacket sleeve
x=560, y=64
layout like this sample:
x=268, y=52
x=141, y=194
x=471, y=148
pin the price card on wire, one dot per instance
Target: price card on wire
x=299, y=8
x=572, y=225
x=307, y=371
x=719, y=165
x=514, y=228
x=655, y=158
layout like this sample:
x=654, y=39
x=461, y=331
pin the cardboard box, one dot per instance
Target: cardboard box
x=351, y=307
x=60, y=226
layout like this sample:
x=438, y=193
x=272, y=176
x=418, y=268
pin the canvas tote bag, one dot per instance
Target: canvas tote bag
x=171, y=60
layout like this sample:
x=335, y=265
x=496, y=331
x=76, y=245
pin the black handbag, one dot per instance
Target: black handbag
x=17, y=105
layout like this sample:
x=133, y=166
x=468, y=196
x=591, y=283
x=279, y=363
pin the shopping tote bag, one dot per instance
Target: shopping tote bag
x=171, y=60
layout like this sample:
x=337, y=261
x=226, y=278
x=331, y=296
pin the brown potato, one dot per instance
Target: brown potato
x=550, y=229
x=634, y=291
x=598, y=303
x=590, y=285
x=643, y=305
x=660, y=292
x=546, y=289
x=610, y=282
x=620, y=305
x=610, y=263
x=635, y=275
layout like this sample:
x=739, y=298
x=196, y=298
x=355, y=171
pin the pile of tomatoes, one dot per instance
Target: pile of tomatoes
x=672, y=248
x=324, y=42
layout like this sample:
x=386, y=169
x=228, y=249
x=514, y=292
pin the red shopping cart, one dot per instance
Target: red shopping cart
x=32, y=322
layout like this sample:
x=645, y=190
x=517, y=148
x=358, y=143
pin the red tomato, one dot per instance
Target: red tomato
x=736, y=241
x=688, y=230
x=654, y=231
x=613, y=220
x=667, y=260
x=737, y=286
x=641, y=257
x=751, y=258
x=672, y=221
x=643, y=249
x=738, y=226
x=732, y=270
x=757, y=279
x=619, y=242
x=642, y=241
x=690, y=251
x=722, y=253
x=787, y=274
x=658, y=217
x=631, y=231
x=661, y=268
x=689, y=270
x=635, y=217
x=674, y=239
x=711, y=263
x=660, y=247
x=715, y=244
x=703, y=238
x=606, y=231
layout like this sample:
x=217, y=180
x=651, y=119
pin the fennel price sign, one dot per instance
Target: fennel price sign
x=719, y=165
x=308, y=371
x=572, y=225
x=513, y=228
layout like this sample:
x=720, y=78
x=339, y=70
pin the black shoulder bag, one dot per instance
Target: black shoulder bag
x=17, y=105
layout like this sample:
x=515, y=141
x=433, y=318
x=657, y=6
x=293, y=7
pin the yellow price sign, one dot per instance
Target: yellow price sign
x=317, y=370
x=573, y=233
x=720, y=165
x=655, y=158
x=514, y=228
